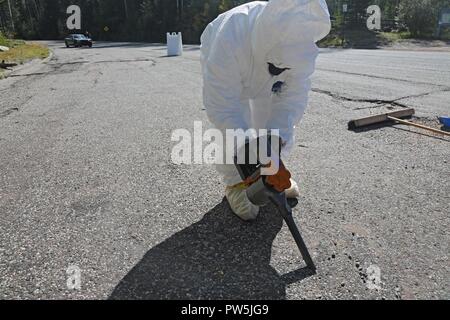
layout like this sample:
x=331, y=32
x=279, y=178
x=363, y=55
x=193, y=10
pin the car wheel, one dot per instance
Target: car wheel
x=67, y=45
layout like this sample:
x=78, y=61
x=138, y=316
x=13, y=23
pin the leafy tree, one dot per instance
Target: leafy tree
x=149, y=20
x=421, y=16
x=225, y=5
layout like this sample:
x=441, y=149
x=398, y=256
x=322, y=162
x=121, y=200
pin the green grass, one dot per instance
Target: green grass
x=331, y=41
x=20, y=52
x=5, y=41
x=351, y=39
x=445, y=34
x=365, y=39
x=395, y=36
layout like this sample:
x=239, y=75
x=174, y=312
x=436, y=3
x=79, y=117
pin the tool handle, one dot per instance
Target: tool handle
x=419, y=126
x=300, y=243
x=281, y=202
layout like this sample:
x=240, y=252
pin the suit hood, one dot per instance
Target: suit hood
x=290, y=24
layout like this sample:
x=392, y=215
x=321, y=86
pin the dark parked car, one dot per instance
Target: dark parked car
x=78, y=40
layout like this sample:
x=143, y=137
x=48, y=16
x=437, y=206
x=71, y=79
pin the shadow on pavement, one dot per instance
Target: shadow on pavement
x=219, y=257
x=101, y=44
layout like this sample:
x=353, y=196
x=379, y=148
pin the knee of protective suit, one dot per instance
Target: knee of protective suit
x=229, y=174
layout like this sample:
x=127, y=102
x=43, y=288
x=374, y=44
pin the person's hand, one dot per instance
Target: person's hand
x=281, y=181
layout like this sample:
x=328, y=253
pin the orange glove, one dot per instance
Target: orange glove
x=281, y=181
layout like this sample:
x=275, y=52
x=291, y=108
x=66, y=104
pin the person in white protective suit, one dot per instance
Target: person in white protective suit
x=257, y=60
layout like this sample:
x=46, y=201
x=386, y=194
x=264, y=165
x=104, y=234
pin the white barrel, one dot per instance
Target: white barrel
x=174, y=44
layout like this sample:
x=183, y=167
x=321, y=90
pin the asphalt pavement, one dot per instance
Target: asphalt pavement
x=89, y=195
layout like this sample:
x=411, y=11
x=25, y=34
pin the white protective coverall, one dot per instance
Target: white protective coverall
x=236, y=48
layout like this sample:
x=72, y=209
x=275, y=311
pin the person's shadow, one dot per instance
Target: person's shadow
x=219, y=257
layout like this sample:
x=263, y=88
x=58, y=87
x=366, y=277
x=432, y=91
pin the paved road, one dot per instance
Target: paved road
x=86, y=180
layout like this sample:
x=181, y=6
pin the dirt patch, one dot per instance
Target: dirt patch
x=419, y=45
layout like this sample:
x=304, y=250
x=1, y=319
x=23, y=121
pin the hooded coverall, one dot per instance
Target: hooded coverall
x=239, y=91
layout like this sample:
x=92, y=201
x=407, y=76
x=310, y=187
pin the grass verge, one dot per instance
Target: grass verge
x=365, y=39
x=21, y=51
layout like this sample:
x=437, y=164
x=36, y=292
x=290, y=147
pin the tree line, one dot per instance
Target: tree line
x=149, y=20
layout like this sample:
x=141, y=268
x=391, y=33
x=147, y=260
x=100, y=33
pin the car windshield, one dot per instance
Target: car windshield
x=79, y=36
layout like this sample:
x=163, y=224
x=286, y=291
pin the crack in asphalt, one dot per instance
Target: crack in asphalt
x=57, y=66
x=67, y=63
x=27, y=74
x=446, y=89
x=381, y=77
x=8, y=112
x=126, y=61
x=104, y=61
x=379, y=102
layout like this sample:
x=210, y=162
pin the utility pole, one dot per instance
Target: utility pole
x=344, y=12
x=11, y=15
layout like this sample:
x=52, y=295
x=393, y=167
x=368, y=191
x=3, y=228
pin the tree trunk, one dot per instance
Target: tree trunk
x=11, y=15
x=125, y=4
